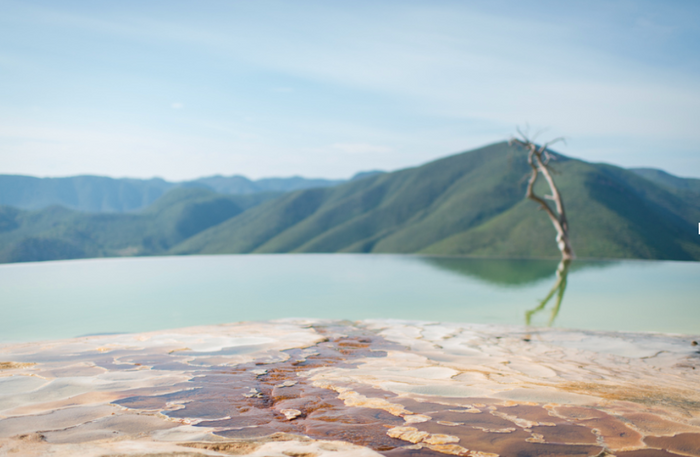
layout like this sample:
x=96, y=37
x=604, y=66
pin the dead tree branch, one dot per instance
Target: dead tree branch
x=538, y=158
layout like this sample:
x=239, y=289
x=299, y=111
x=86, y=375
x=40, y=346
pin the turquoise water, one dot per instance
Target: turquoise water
x=49, y=300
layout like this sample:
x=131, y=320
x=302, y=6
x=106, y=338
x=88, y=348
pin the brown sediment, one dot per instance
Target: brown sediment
x=576, y=412
x=32, y=437
x=477, y=439
x=683, y=443
x=160, y=454
x=566, y=434
x=647, y=453
x=532, y=413
x=15, y=365
x=356, y=384
x=244, y=402
x=413, y=451
x=644, y=394
x=653, y=424
x=244, y=446
x=614, y=433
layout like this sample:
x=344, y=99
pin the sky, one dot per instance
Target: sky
x=184, y=89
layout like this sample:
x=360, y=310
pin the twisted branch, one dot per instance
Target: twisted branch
x=538, y=158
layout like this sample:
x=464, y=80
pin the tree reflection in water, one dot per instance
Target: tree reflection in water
x=559, y=288
x=505, y=275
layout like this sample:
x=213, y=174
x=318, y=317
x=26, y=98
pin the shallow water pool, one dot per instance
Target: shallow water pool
x=49, y=300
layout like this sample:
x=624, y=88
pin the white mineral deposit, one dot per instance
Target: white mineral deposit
x=330, y=388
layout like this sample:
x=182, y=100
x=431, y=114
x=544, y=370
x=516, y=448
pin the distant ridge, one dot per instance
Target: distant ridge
x=467, y=204
x=240, y=185
x=57, y=233
x=668, y=180
x=85, y=193
x=101, y=194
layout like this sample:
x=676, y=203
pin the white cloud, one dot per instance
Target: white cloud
x=177, y=105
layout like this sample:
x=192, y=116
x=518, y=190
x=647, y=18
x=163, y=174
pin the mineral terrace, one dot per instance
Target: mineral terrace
x=329, y=388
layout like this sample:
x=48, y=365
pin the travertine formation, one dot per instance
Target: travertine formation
x=329, y=388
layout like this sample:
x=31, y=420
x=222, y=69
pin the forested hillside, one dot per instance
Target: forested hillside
x=470, y=204
x=466, y=204
x=60, y=233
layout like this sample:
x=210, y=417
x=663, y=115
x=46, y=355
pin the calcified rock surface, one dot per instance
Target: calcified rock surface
x=328, y=388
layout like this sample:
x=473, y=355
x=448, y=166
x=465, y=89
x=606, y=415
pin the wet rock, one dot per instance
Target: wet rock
x=329, y=388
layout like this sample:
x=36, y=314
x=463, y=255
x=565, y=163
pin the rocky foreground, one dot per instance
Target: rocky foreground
x=329, y=388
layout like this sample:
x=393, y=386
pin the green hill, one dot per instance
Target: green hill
x=59, y=233
x=469, y=204
x=668, y=180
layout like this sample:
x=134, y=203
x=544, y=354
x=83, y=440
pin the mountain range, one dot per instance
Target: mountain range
x=111, y=195
x=466, y=204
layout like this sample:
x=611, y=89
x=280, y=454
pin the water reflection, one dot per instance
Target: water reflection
x=501, y=272
x=509, y=273
x=47, y=300
x=559, y=288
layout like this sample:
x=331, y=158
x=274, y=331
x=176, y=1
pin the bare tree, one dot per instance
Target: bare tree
x=538, y=157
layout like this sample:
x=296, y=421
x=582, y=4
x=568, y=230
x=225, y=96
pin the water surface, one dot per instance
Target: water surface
x=49, y=300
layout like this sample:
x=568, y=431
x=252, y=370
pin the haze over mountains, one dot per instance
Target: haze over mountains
x=466, y=204
x=110, y=195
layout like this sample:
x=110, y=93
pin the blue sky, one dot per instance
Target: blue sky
x=327, y=88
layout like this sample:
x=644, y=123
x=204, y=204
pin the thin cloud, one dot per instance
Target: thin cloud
x=414, y=81
x=360, y=148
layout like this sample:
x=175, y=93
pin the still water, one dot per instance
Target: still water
x=50, y=300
